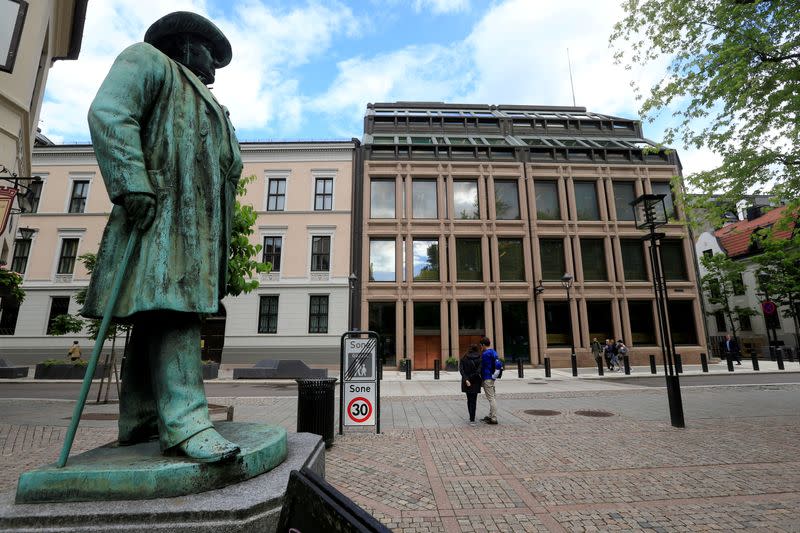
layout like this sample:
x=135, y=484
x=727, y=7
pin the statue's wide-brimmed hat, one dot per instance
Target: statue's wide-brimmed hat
x=185, y=22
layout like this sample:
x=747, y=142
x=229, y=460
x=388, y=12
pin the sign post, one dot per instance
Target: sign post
x=360, y=393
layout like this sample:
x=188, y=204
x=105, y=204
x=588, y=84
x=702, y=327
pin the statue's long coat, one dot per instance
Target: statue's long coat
x=157, y=130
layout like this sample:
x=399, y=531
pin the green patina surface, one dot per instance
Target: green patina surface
x=141, y=472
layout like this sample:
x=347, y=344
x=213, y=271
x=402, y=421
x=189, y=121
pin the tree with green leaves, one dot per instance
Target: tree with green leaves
x=720, y=284
x=242, y=265
x=732, y=85
x=778, y=274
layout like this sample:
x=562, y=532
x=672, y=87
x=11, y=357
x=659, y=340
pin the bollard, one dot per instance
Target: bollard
x=437, y=365
x=678, y=364
x=547, y=367
x=408, y=368
x=574, y=361
x=380, y=369
x=652, y=364
x=600, y=367
x=779, y=357
x=520, y=371
x=627, y=363
x=729, y=359
x=754, y=359
x=704, y=362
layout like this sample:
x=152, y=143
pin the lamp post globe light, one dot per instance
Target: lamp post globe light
x=566, y=282
x=650, y=213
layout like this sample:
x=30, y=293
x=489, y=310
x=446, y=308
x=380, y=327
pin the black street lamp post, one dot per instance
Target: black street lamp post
x=566, y=282
x=650, y=213
x=353, y=280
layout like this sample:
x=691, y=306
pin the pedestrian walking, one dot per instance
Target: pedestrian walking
x=491, y=368
x=622, y=351
x=732, y=349
x=470, y=369
x=597, y=351
x=609, y=352
x=74, y=352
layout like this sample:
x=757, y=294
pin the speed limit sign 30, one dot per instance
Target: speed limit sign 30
x=359, y=401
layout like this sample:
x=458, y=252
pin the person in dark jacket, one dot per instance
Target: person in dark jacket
x=732, y=349
x=470, y=369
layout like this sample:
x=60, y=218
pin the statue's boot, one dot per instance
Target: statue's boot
x=208, y=446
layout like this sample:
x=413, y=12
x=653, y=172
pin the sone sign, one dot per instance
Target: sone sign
x=359, y=379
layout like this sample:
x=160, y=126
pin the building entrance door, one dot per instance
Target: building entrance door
x=427, y=335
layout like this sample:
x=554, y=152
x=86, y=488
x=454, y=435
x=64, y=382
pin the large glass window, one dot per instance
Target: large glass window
x=22, y=249
x=598, y=314
x=426, y=260
x=633, y=259
x=80, y=191
x=643, y=330
x=318, y=314
x=681, y=322
x=323, y=194
x=382, y=320
x=547, y=205
x=469, y=260
x=506, y=199
x=556, y=323
x=672, y=260
x=321, y=254
x=512, y=262
x=268, y=314
x=273, y=247
x=465, y=200
x=66, y=260
x=593, y=259
x=276, y=194
x=664, y=187
x=624, y=194
x=381, y=198
x=551, y=252
x=516, y=341
x=423, y=199
x=381, y=260
x=59, y=305
x=471, y=325
x=586, y=200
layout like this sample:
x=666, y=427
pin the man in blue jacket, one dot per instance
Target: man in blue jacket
x=490, y=370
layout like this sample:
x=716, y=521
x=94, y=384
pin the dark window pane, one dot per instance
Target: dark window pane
x=556, y=323
x=66, y=261
x=382, y=320
x=512, y=262
x=506, y=200
x=468, y=260
x=516, y=341
x=59, y=305
x=738, y=286
x=664, y=187
x=36, y=195
x=624, y=194
x=8, y=317
x=268, y=314
x=22, y=249
x=423, y=199
x=272, y=252
x=681, y=322
x=598, y=315
x=643, y=328
x=320, y=254
x=276, y=194
x=318, y=314
x=381, y=199
x=381, y=260
x=551, y=252
x=586, y=200
x=547, y=206
x=80, y=190
x=323, y=196
x=744, y=323
x=672, y=261
x=465, y=200
x=426, y=260
x=593, y=258
x=719, y=318
x=633, y=259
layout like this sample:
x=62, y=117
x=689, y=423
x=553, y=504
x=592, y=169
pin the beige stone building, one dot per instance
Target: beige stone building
x=302, y=194
x=470, y=215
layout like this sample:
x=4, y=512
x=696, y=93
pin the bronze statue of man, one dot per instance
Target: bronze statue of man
x=171, y=162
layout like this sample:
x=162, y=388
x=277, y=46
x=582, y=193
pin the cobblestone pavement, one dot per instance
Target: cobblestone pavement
x=734, y=467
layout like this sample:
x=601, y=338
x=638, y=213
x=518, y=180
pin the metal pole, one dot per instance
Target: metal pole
x=572, y=357
x=547, y=371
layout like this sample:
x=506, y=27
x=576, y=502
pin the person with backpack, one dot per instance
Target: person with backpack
x=491, y=369
x=470, y=369
x=622, y=351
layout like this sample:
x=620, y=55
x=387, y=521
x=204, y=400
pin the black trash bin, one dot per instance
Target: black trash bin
x=316, y=407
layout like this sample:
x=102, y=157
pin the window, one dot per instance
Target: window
x=36, y=194
x=80, y=191
x=643, y=330
x=516, y=340
x=672, y=261
x=272, y=252
x=681, y=321
x=547, y=205
x=381, y=199
x=719, y=318
x=624, y=194
x=423, y=199
x=268, y=314
x=586, y=200
x=664, y=187
x=598, y=315
x=708, y=253
x=465, y=200
x=22, y=249
x=426, y=260
x=320, y=254
x=276, y=194
x=744, y=323
x=469, y=260
x=66, y=261
x=381, y=260
x=551, y=252
x=506, y=200
x=633, y=259
x=382, y=320
x=738, y=286
x=59, y=305
x=512, y=262
x=323, y=194
x=318, y=314
x=556, y=323
x=593, y=259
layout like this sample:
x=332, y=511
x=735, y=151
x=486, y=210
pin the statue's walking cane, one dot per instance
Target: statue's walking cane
x=98, y=346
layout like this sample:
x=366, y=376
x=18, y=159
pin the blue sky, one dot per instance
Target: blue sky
x=307, y=69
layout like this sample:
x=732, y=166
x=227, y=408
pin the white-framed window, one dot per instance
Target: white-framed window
x=66, y=258
x=320, y=245
x=277, y=185
x=78, y=195
x=324, y=187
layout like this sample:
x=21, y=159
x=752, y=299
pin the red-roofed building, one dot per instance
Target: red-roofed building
x=736, y=239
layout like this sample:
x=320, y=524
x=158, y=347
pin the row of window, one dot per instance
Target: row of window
x=317, y=313
x=465, y=202
x=426, y=259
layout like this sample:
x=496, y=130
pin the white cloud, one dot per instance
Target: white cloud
x=697, y=160
x=441, y=6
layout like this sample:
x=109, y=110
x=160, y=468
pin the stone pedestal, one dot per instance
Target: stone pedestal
x=250, y=506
